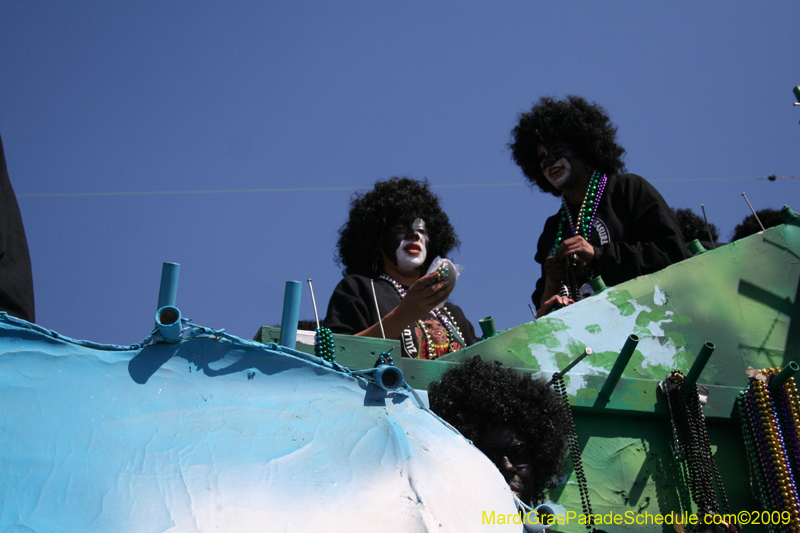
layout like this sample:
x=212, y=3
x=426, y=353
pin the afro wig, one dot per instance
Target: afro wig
x=477, y=396
x=370, y=213
x=585, y=126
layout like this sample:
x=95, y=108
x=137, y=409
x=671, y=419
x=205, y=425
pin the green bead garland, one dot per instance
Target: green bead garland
x=323, y=345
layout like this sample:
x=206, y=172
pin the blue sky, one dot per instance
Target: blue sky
x=229, y=137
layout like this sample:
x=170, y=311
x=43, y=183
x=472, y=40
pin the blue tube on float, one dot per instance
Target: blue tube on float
x=388, y=377
x=291, y=313
x=168, y=292
x=539, y=519
x=168, y=320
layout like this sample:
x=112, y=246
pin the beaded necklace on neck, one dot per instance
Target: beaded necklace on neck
x=587, y=212
x=445, y=318
x=582, y=226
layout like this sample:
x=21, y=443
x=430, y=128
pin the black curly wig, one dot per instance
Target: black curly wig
x=585, y=126
x=358, y=249
x=477, y=396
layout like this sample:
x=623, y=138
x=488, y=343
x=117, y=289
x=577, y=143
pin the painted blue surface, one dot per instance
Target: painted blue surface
x=214, y=433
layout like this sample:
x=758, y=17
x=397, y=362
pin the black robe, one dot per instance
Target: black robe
x=16, y=280
x=352, y=309
x=634, y=233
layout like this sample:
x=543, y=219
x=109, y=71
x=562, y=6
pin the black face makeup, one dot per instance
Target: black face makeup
x=405, y=227
x=512, y=457
x=547, y=155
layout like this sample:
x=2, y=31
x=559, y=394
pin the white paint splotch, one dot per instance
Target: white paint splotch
x=599, y=324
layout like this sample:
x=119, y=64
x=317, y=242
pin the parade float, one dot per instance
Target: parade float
x=196, y=430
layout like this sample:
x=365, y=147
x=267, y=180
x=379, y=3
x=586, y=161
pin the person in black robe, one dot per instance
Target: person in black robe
x=610, y=224
x=393, y=234
x=16, y=280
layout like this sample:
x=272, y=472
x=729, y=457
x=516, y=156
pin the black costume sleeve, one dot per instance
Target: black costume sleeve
x=651, y=238
x=643, y=234
x=351, y=308
x=16, y=280
x=546, y=241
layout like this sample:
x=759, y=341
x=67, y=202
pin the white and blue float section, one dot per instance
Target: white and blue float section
x=209, y=432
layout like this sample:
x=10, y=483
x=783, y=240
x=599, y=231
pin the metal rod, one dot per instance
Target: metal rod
x=314, y=301
x=754, y=212
x=783, y=376
x=616, y=371
x=378, y=309
x=697, y=367
x=291, y=313
x=708, y=228
x=586, y=351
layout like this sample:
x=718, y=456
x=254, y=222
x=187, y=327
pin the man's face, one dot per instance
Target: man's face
x=512, y=457
x=405, y=242
x=560, y=164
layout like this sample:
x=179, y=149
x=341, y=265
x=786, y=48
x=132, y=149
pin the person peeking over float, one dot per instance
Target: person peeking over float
x=392, y=237
x=517, y=421
x=610, y=223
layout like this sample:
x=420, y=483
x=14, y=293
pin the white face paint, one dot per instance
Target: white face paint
x=558, y=173
x=413, y=249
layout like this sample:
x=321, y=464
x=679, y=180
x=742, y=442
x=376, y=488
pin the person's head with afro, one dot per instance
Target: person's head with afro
x=372, y=214
x=518, y=421
x=583, y=126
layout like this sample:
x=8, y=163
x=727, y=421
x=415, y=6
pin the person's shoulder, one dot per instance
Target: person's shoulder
x=552, y=221
x=632, y=184
x=353, y=283
x=627, y=180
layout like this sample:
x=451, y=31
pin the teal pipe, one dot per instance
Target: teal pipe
x=788, y=215
x=387, y=377
x=488, y=327
x=697, y=367
x=616, y=371
x=168, y=292
x=291, y=313
x=783, y=376
x=696, y=248
x=168, y=320
x=597, y=284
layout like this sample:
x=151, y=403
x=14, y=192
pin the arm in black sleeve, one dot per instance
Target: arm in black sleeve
x=651, y=239
x=543, y=247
